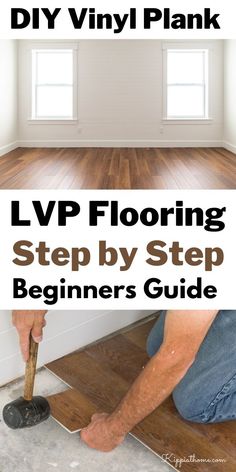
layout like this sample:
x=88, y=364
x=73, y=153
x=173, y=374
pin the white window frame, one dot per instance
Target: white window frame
x=51, y=47
x=206, y=119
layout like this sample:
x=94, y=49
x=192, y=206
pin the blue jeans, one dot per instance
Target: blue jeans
x=207, y=392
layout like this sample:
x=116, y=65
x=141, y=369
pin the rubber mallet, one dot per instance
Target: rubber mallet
x=27, y=411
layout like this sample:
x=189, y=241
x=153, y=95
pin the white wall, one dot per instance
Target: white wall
x=8, y=95
x=64, y=333
x=120, y=99
x=230, y=94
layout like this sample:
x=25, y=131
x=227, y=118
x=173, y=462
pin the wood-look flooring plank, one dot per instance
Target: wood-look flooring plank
x=138, y=335
x=118, y=168
x=112, y=352
x=71, y=409
x=102, y=386
x=166, y=434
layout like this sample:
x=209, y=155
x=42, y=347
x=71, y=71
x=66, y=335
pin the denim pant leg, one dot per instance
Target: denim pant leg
x=155, y=337
x=207, y=393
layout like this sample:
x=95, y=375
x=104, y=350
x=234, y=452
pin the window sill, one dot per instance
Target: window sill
x=186, y=121
x=58, y=121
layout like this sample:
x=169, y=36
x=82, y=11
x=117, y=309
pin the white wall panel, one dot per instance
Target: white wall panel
x=230, y=95
x=120, y=99
x=65, y=332
x=8, y=95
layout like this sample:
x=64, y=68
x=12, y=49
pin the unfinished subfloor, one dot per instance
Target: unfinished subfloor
x=49, y=448
x=101, y=374
x=118, y=168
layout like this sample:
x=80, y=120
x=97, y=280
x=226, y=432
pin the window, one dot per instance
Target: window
x=186, y=95
x=53, y=84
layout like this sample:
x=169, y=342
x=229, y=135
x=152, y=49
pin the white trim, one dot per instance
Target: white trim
x=53, y=43
x=116, y=143
x=189, y=121
x=63, y=121
x=191, y=44
x=230, y=147
x=206, y=84
x=47, y=46
x=139, y=143
x=8, y=148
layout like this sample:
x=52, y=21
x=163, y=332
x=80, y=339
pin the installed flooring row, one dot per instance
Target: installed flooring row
x=118, y=168
x=100, y=375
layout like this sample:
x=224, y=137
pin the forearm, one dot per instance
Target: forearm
x=150, y=389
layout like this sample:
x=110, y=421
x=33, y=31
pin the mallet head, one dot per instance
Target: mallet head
x=23, y=414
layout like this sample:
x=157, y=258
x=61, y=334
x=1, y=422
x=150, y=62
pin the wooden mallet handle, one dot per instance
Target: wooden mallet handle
x=30, y=370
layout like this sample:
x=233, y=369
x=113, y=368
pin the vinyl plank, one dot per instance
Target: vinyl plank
x=171, y=436
x=113, y=352
x=102, y=386
x=71, y=409
x=118, y=168
x=138, y=335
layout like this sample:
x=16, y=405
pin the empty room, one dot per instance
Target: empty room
x=115, y=114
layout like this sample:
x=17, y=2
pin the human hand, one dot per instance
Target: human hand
x=28, y=322
x=100, y=433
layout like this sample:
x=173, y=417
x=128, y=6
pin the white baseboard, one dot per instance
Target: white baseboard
x=8, y=148
x=116, y=143
x=62, y=337
x=230, y=147
x=139, y=143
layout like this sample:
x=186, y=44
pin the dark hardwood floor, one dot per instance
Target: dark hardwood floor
x=118, y=168
x=99, y=376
